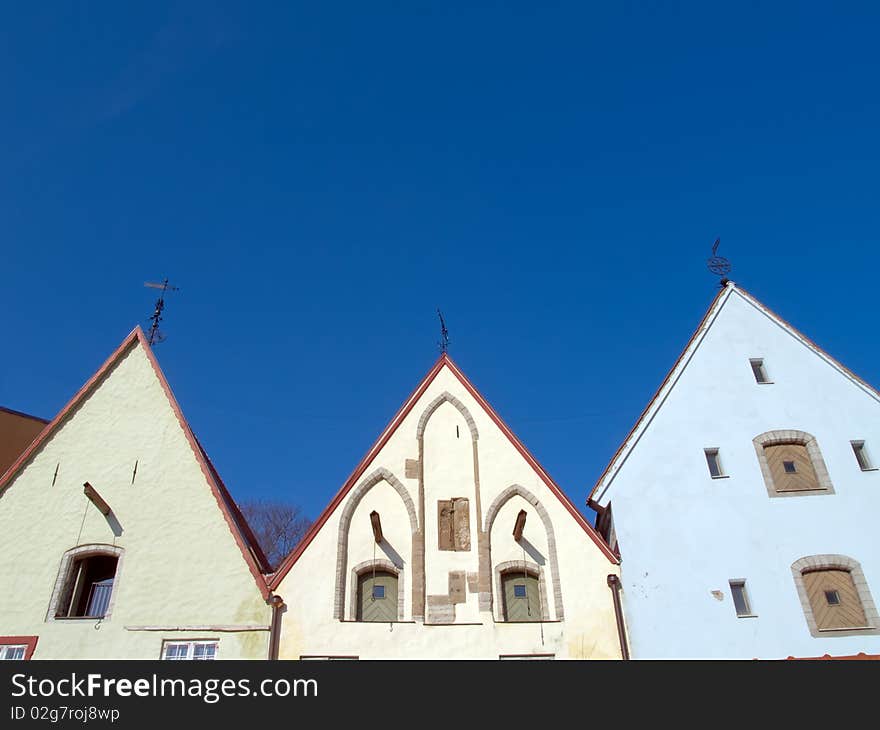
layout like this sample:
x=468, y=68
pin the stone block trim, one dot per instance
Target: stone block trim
x=441, y=610
x=457, y=582
x=379, y=564
x=447, y=397
x=788, y=436
x=835, y=562
x=411, y=469
x=492, y=512
x=520, y=567
x=64, y=574
x=357, y=494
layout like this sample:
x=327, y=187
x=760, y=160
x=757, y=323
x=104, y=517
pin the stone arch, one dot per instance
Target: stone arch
x=517, y=490
x=378, y=564
x=835, y=562
x=354, y=499
x=792, y=436
x=447, y=397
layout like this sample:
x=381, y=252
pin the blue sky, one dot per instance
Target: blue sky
x=319, y=178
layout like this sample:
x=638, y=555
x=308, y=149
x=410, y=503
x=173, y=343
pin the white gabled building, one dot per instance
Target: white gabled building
x=744, y=501
x=449, y=541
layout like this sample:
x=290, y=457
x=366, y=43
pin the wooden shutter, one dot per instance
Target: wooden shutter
x=444, y=525
x=521, y=607
x=804, y=476
x=371, y=608
x=848, y=613
x=461, y=524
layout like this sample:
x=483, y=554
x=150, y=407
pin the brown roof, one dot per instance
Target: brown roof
x=17, y=432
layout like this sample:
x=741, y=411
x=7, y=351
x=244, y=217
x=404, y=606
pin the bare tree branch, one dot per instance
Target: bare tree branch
x=277, y=525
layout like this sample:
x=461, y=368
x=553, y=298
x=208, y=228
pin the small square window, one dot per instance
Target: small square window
x=519, y=590
x=789, y=467
x=204, y=652
x=713, y=459
x=833, y=598
x=740, y=598
x=378, y=591
x=865, y=463
x=759, y=371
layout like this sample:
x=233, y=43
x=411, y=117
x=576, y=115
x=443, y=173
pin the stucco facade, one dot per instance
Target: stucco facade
x=184, y=571
x=447, y=444
x=684, y=535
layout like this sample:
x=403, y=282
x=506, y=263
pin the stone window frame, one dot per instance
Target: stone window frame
x=792, y=436
x=520, y=566
x=835, y=562
x=365, y=567
x=64, y=574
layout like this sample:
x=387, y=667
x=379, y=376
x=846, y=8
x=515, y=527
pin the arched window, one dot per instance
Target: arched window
x=792, y=464
x=834, y=596
x=86, y=579
x=520, y=596
x=377, y=595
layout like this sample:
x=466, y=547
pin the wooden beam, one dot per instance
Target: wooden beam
x=96, y=499
x=520, y=525
x=377, y=526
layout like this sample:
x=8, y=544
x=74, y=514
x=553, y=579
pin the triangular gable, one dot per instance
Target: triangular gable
x=672, y=377
x=388, y=432
x=250, y=549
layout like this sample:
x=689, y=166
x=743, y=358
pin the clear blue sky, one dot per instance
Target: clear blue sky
x=319, y=178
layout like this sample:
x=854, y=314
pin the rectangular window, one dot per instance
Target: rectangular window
x=12, y=652
x=862, y=456
x=190, y=650
x=759, y=370
x=519, y=591
x=378, y=591
x=789, y=467
x=833, y=598
x=740, y=598
x=713, y=459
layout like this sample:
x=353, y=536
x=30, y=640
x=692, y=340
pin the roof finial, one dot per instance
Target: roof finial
x=155, y=335
x=719, y=265
x=444, y=334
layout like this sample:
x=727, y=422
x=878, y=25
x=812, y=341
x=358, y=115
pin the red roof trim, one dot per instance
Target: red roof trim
x=656, y=395
x=136, y=336
x=389, y=431
x=860, y=656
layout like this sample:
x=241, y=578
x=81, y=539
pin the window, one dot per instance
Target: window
x=88, y=587
x=862, y=457
x=190, y=650
x=792, y=464
x=713, y=459
x=740, y=598
x=377, y=596
x=759, y=371
x=834, y=596
x=17, y=647
x=12, y=652
x=521, y=596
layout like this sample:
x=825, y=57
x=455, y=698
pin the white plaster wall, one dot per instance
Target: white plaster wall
x=683, y=534
x=589, y=629
x=181, y=565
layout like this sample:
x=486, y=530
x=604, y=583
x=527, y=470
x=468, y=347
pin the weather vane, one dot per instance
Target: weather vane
x=155, y=335
x=719, y=265
x=444, y=334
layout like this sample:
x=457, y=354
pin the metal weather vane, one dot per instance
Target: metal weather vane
x=155, y=335
x=719, y=265
x=443, y=344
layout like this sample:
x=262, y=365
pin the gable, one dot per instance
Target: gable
x=445, y=394
x=124, y=433
x=712, y=378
